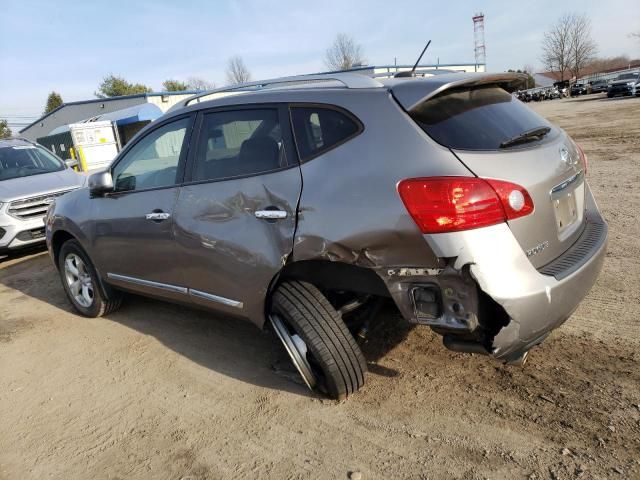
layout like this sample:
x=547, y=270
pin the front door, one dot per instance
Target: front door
x=236, y=217
x=134, y=242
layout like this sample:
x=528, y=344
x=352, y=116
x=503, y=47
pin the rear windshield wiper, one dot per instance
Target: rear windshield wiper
x=527, y=136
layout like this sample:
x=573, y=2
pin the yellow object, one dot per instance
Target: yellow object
x=83, y=161
x=72, y=153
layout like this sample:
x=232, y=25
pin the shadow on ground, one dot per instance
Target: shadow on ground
x=227, y=345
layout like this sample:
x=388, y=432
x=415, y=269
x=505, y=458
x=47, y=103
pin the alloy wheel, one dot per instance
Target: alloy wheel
x=296, y=348
x=78, y=280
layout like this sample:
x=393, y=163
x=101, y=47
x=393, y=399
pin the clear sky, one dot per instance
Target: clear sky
x=70, y=45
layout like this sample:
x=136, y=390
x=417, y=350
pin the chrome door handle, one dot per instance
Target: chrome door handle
x=271, y=214
x=157, y=216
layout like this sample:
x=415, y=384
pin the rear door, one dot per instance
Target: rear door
x=236, y=215
x=476, y=123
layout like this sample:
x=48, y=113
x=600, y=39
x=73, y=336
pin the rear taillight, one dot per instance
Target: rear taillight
x=583, y=158
x=451, y=204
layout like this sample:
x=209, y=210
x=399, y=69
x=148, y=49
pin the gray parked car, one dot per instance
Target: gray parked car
x=30, y=178
x=300, y=202
x=625, y=84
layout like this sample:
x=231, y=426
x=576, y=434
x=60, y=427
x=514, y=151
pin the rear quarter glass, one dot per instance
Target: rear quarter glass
x=478, y=118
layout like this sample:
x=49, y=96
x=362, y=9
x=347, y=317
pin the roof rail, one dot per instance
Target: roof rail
x=348, y=80
x=420, y=72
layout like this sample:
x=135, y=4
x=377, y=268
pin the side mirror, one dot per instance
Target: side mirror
x=71, y=162
x=100, y=183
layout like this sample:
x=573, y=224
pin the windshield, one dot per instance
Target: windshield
x=25, y=160
x=476, y=118
x=627, y=76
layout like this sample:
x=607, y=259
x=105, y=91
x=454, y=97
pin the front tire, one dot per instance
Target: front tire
x=81, y=283
x=317, y=340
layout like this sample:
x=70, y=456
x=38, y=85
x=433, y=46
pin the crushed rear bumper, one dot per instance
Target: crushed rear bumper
x=536, y=301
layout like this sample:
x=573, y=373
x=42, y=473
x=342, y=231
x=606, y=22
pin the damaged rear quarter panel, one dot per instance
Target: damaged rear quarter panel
x=350, y=210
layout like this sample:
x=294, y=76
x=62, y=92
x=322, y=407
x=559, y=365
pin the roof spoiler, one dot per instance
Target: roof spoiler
x=412, y=93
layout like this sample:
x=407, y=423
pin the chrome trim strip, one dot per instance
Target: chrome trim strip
x=174, y=288
x=571, y=180
x=148, y=283
x=215, y=298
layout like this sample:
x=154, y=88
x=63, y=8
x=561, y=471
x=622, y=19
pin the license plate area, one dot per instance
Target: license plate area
x=567, y=204
x=566, y=211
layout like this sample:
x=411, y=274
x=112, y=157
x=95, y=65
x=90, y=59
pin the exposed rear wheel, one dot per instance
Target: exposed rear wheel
x=317, y=340
x=80, y=282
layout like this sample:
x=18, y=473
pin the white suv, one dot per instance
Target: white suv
x=30, y=178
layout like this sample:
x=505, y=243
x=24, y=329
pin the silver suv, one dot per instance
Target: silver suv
x=31, y=177
x=300, y=203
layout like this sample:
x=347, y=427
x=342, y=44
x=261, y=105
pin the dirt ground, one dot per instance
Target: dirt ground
x=160, y=391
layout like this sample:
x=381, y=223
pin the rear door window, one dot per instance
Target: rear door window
x=318, y=129
x=475, y=118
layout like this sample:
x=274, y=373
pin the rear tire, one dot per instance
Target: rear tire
x=337, y=364
x=81, y=282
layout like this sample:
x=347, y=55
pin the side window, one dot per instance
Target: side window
x=318, y=129
x=153, y=161
x=240, y=142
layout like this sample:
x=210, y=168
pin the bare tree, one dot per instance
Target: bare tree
x=582, y=47
x=237, y=71
x=556, y=46
x=344, y=53
x=197, y=83
x=569, y=45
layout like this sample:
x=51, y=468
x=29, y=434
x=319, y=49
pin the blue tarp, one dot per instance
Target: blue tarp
x=138, y=113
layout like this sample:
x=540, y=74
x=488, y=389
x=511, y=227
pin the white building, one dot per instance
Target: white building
x=73, y=112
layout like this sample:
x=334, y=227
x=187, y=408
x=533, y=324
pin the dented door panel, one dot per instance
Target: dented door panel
x=224, y=250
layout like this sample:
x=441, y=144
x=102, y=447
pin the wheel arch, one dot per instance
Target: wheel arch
x=328, y=275
x=58, y=239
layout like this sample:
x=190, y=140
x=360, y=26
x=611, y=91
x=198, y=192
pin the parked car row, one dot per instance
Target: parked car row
x=539, y=94
x=623, y=84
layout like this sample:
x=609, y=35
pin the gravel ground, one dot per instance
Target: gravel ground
x=160, y=391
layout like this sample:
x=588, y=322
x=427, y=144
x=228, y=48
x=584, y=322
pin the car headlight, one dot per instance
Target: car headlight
x=630, y=84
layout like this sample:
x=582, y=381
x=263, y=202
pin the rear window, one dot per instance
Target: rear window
x=475, y=118
x=319, y=129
